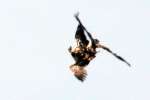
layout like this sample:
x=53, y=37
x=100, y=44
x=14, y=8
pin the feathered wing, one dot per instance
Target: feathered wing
x=117, y=56
x=80, y=36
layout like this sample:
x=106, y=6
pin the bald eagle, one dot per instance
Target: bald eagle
x=85, y=51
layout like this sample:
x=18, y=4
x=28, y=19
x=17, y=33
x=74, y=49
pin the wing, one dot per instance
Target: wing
x=88, y=33
x=80, y=35
x=117, y=56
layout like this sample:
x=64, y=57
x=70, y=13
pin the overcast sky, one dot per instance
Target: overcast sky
x=34, y=40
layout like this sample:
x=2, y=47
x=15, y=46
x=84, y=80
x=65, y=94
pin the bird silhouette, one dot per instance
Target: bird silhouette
x=85, y=51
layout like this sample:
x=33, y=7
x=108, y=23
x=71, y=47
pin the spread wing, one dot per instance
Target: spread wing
x=80, y=35
x=117, y=56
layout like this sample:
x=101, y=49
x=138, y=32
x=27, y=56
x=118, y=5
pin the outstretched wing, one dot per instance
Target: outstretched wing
x=117, y=56
x=80, y=35
x=88, y=33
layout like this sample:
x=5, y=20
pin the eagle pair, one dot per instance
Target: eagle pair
x=85, y=51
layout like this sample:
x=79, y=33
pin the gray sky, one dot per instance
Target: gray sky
x=35, y=36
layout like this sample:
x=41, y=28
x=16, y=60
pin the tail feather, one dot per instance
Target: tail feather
x=79, y=72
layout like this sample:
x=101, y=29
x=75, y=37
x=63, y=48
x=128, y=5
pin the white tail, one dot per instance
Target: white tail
x=79, y=72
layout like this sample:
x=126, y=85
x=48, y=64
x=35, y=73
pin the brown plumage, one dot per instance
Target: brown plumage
x=85, y=51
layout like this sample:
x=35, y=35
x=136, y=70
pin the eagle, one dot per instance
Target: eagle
x=85, y=51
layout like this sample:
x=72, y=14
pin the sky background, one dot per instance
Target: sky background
x=34, y=40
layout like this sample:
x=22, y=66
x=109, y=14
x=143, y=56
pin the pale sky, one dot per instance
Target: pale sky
x=34, y=40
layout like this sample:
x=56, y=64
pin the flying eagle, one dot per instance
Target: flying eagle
x=85, y=51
